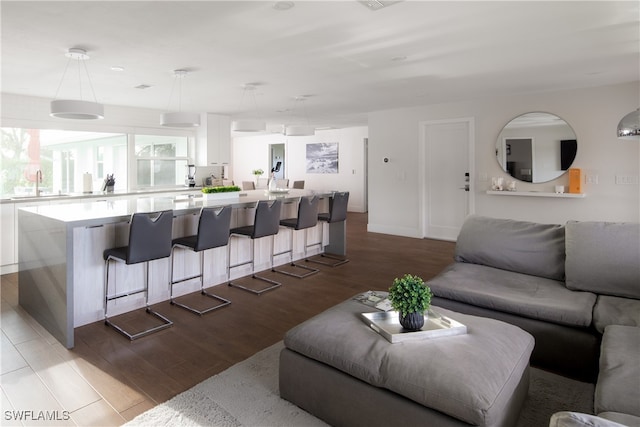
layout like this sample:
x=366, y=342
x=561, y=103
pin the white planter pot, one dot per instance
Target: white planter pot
x=219, y=196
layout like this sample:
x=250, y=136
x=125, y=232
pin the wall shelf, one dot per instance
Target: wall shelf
x=537, y=194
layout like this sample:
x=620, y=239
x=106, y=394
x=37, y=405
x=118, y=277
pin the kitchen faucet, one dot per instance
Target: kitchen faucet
x=38, y=182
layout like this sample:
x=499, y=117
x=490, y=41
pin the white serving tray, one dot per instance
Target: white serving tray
x=387, y=324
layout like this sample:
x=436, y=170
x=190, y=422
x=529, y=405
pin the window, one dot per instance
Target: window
x=64, y=157
x=161, y=161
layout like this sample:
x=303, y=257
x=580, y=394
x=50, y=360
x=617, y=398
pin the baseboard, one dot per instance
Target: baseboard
x=8, y=269
x=394, y=230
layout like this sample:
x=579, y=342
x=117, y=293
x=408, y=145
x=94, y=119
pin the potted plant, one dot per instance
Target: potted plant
x=257, y=173
x=411, y=298
x=221, y=192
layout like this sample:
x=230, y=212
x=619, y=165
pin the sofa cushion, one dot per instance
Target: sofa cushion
x=493, y=355
x=615, y=311
x=624, y=419
x=603, y=257
x=618, y=385
x=520, y=246
x=578, y=419
x=516, y=293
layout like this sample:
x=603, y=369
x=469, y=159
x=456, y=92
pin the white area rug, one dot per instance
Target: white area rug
x=247, y=395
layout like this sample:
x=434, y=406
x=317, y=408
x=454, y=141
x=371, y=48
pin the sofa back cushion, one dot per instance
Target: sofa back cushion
x=520, y=246
x=603, y=257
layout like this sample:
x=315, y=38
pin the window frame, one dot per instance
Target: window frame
x=130, y=133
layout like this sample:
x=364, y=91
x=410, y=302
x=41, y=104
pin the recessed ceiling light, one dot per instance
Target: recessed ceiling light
x=283, y=5
x=117, y=68
x=142, y=86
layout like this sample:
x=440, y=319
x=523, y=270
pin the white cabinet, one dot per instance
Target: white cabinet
x=9, y=234
x=8, y=239
x=213, y=146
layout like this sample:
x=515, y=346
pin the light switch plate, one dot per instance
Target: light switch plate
x=627, y=179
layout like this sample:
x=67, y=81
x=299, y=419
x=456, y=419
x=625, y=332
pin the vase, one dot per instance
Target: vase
x=412, y=321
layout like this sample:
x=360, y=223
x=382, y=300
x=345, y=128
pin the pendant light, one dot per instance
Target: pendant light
x=300, y=130
x=629, y=126
x=179, y=118
x=76, y=109
x=252, y=125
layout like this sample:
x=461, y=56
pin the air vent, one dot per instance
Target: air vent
x=142, y=87
x=377, y=4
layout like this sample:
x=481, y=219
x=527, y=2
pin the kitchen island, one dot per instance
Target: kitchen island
x=61, y=269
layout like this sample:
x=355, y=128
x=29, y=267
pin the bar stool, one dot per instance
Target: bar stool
x=149, y=239
x=266, y=223
x=213, y=232
x=307, y=218
x=337, y=213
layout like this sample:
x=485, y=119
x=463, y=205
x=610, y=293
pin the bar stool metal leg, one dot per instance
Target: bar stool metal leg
x=274, y=284
x=223, y=302
x=266, y=223
x=166, y=323
x=309, y=270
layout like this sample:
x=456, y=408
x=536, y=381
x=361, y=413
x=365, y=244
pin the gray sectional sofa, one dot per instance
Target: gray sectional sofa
x=574, y=287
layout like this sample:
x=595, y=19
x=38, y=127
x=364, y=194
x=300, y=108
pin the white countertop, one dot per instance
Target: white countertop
x=115, y=210
x=97, y=195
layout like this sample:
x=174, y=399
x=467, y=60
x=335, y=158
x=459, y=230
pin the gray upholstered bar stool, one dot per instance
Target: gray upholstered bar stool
x=307, y=218
x=266, y=223
x=149, y=239
x=337, y=213
x=213, y=232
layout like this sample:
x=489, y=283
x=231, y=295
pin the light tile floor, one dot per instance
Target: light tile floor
x=44, y=384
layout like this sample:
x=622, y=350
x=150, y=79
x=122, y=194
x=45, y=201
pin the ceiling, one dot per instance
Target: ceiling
x=344, y=58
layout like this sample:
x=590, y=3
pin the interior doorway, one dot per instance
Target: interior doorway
x=446, y=171
x=277, y=156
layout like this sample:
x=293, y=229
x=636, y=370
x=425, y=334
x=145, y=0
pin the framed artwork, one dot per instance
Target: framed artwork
x=322, y=157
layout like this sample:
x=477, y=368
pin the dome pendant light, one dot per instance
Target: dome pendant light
x=244, y=125
x=76, y=109
x=300, y=130
x=179, y=118
x=629, y=126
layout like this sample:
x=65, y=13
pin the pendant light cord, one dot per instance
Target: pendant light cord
x=173, y=86
x=62, y=79
x=86, y=70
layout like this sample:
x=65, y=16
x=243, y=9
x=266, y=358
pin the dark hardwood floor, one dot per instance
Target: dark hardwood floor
x=166, y=363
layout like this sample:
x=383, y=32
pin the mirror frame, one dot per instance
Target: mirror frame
x=543, y=134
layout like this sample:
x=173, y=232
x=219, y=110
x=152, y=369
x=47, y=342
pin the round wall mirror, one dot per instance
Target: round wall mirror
x=536, y=147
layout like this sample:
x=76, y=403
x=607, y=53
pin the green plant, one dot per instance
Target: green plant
x=225, y=189
x=409, y=294
x=257, y=172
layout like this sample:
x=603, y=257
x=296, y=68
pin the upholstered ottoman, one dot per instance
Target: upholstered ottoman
x=340, y=370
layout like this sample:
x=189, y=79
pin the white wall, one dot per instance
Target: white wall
x=252, y=152
x=593, y=114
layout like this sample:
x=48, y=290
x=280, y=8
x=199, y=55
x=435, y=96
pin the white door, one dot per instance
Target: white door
x=447, y=187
